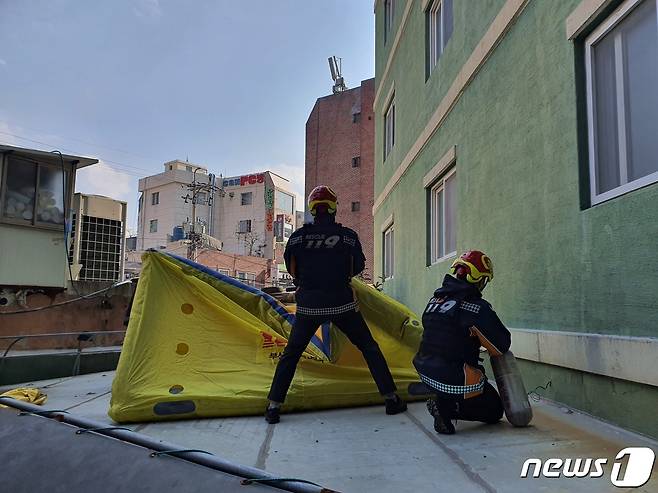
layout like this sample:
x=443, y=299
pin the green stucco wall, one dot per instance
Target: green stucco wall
x=558, y=266
x=515, y=128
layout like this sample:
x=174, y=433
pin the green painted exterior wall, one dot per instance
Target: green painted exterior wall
x=558, y=265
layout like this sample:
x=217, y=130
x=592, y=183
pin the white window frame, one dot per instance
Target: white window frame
x=389, y=127
x=388, y=261
x=432, y=13
x=151, y=223
x=438, y=186
x=225, y=272
x=389, y=11
x=155, y=198
x=606, y=26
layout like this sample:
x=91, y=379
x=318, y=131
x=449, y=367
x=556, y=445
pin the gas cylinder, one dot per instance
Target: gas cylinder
x=511, y=389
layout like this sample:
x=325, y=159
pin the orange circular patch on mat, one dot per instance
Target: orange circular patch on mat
x=176, y=389
x=182, y=348
x=186, y=308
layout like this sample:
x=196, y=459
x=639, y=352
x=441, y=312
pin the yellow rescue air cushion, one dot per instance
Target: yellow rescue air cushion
x=200, y=344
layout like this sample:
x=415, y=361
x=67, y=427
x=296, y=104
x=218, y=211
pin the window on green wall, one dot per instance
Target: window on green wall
x=621, y=57
x=388, y=256
x=443, y=217
x=389, y=127
x=439, y=30
x=388, y=19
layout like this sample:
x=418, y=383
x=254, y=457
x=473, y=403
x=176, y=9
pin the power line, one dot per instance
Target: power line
x=129, y=168
x=196, y=188
x=90, y=143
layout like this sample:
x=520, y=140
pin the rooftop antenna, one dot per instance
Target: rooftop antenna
x=335, y=65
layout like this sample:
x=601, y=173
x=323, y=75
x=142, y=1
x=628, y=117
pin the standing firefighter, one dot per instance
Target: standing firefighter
x=322, y=258
x=456, y=322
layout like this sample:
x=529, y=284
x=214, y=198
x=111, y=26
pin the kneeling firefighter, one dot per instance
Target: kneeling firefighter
x=322, y=258
x=456, y=322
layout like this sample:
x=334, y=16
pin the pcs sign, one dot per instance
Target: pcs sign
x=244, y=180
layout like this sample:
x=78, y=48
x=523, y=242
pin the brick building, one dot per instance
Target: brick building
x=340, y=154
x=255, y=271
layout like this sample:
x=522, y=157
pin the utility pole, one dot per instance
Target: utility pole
x=195, y=188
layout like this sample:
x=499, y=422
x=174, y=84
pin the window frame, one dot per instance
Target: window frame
x=439, y=186
x=155, y=198
x=389, y=16
x=200, y=198
x=245, y=194
x=605, y=28
x=431, y=12
x=390, y=109
x=34, y=222
x=247, y=222
x=388, y=261
x=356, y=162
x=151, y=222
x=247, y=279
x=277, y=193
x=356, y=206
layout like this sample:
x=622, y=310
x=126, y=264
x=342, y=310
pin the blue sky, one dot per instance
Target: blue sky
x=135, y=83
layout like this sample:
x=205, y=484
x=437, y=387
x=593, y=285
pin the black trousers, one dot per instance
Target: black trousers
x=486, y=407
x=354, y=327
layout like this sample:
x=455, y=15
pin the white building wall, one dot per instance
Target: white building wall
x=171, y=210
x=227, y=210
x=230, y=212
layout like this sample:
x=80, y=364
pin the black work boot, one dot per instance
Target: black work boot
x=442, y=424
x=395, y=405
x=272, y=415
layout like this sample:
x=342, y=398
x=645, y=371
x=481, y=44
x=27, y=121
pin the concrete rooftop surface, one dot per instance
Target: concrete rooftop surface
x=364, y=450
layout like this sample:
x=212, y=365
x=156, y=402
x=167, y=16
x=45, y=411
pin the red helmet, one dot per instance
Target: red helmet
x=474, y=267
x=322, y=195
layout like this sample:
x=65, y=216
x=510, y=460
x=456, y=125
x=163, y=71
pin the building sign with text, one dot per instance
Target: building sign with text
x=241, y=181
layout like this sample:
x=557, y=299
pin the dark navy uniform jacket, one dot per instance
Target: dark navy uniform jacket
x=322, y=260
x=456, y=322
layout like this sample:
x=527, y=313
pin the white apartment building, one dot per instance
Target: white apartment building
x=251, y=211
x=251, y=214
x=163, y=205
